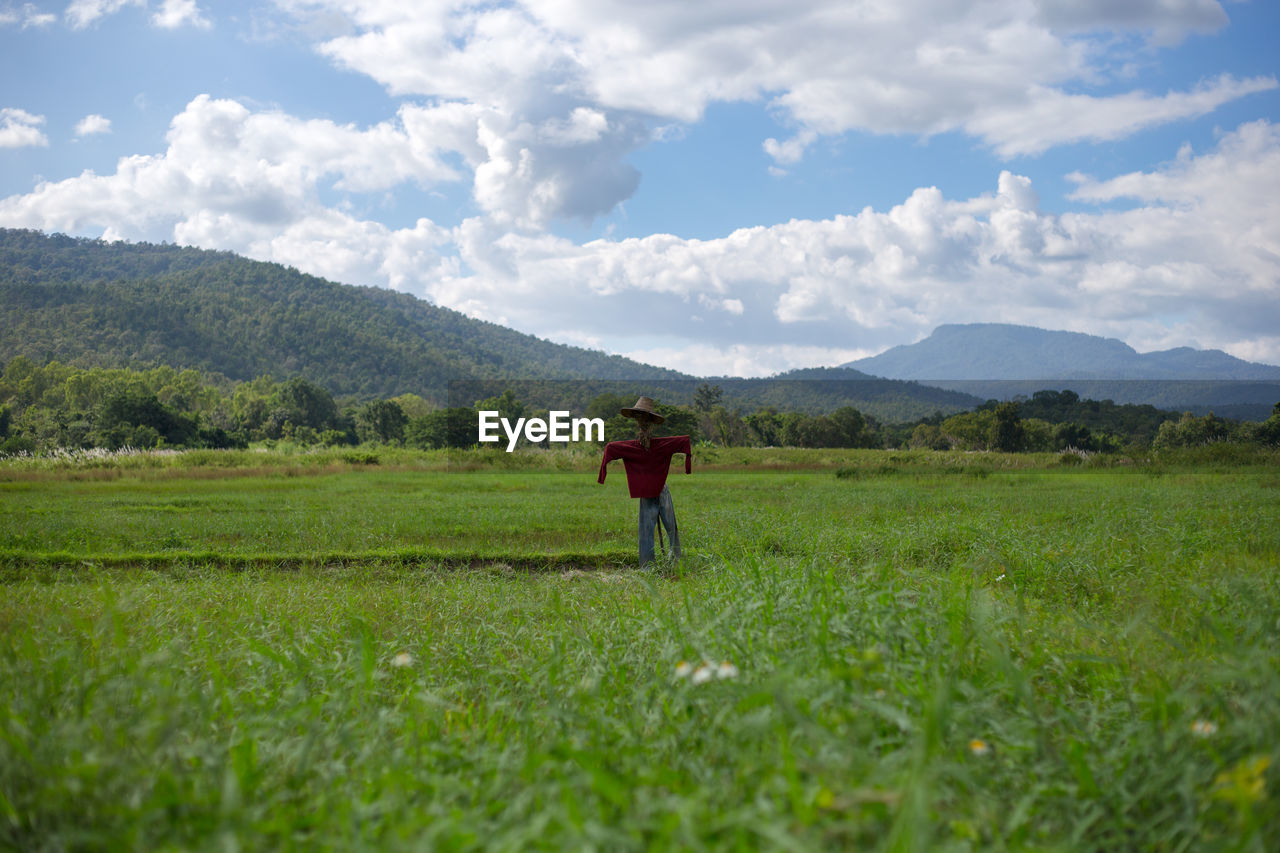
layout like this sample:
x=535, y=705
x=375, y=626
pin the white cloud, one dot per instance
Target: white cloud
x=19, y=129
x=1198, y=253
x=1246, y=158
x=170, y=14
x=790, y=151
x=33, y=17
x=538, y=148
x=1016, y=75
x=234, y=179
x=30, y=16
x=177, y=13
x=1200, y=257
x=1168, y=21
x=93, y=124
x=82, y=13
x=530, y=173
x=743, y=359
x=1053, y=117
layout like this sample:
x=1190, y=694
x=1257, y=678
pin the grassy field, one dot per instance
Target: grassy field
x=382, y=650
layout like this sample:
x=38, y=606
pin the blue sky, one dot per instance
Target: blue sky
x=724, y=187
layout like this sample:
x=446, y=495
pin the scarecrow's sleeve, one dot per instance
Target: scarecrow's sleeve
x=610, y=453
x=686, y=447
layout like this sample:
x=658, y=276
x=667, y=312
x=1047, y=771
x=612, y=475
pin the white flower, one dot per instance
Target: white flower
x=402, y=660
x=706, y=671
x=978, y=746
x=1001, y=577
x=1204, y=728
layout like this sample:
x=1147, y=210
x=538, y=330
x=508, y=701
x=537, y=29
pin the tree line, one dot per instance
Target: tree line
x=1061, y=420
x=54, y=405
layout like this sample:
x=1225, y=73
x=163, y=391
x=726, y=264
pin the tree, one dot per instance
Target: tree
x=606, y=406
x=929, y=436
x=137, y=418
x=1191, y=431
x=707, y=397
x=413, y=406
x=796, y=429
x=1073, y=435
x=728, y=427
x=1267, y=432
x=506, y=405
x=1037, y=435
x=250, y=403
x=452, y=427
x=1007, y=432
x=852, y=428
x=306, y=404
x=381, y=420
x=679, y=421
x=970, y=430
x=765, y=427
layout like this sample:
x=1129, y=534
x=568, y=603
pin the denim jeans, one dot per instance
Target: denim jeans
x=653, y=510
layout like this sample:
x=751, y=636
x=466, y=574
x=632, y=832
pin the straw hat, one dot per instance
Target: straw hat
x=645, y=405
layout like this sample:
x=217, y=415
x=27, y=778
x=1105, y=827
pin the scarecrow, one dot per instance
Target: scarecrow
x=646, y=460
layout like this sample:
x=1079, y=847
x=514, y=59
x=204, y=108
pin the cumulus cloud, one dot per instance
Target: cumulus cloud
x=1208, y=226
x=1055, y=117
x=234, y=179
x=93, y=124
x=790, y=151
x=19, y=128
x=82, y=13
x=178, y=13
x=1015, y=75
x=559, y=168
x=29, y=16
x=539, y=148
x=170, y=14
x=1199, y=257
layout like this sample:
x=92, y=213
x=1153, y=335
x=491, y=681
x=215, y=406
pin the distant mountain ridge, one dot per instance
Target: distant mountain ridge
x=1000, y=351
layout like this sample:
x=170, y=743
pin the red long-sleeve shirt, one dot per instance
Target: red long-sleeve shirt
x=647, y=469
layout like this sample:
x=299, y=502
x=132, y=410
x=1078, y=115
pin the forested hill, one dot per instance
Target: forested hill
x=92, y=303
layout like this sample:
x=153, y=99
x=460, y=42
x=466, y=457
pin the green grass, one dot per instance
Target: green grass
x=203, y=656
